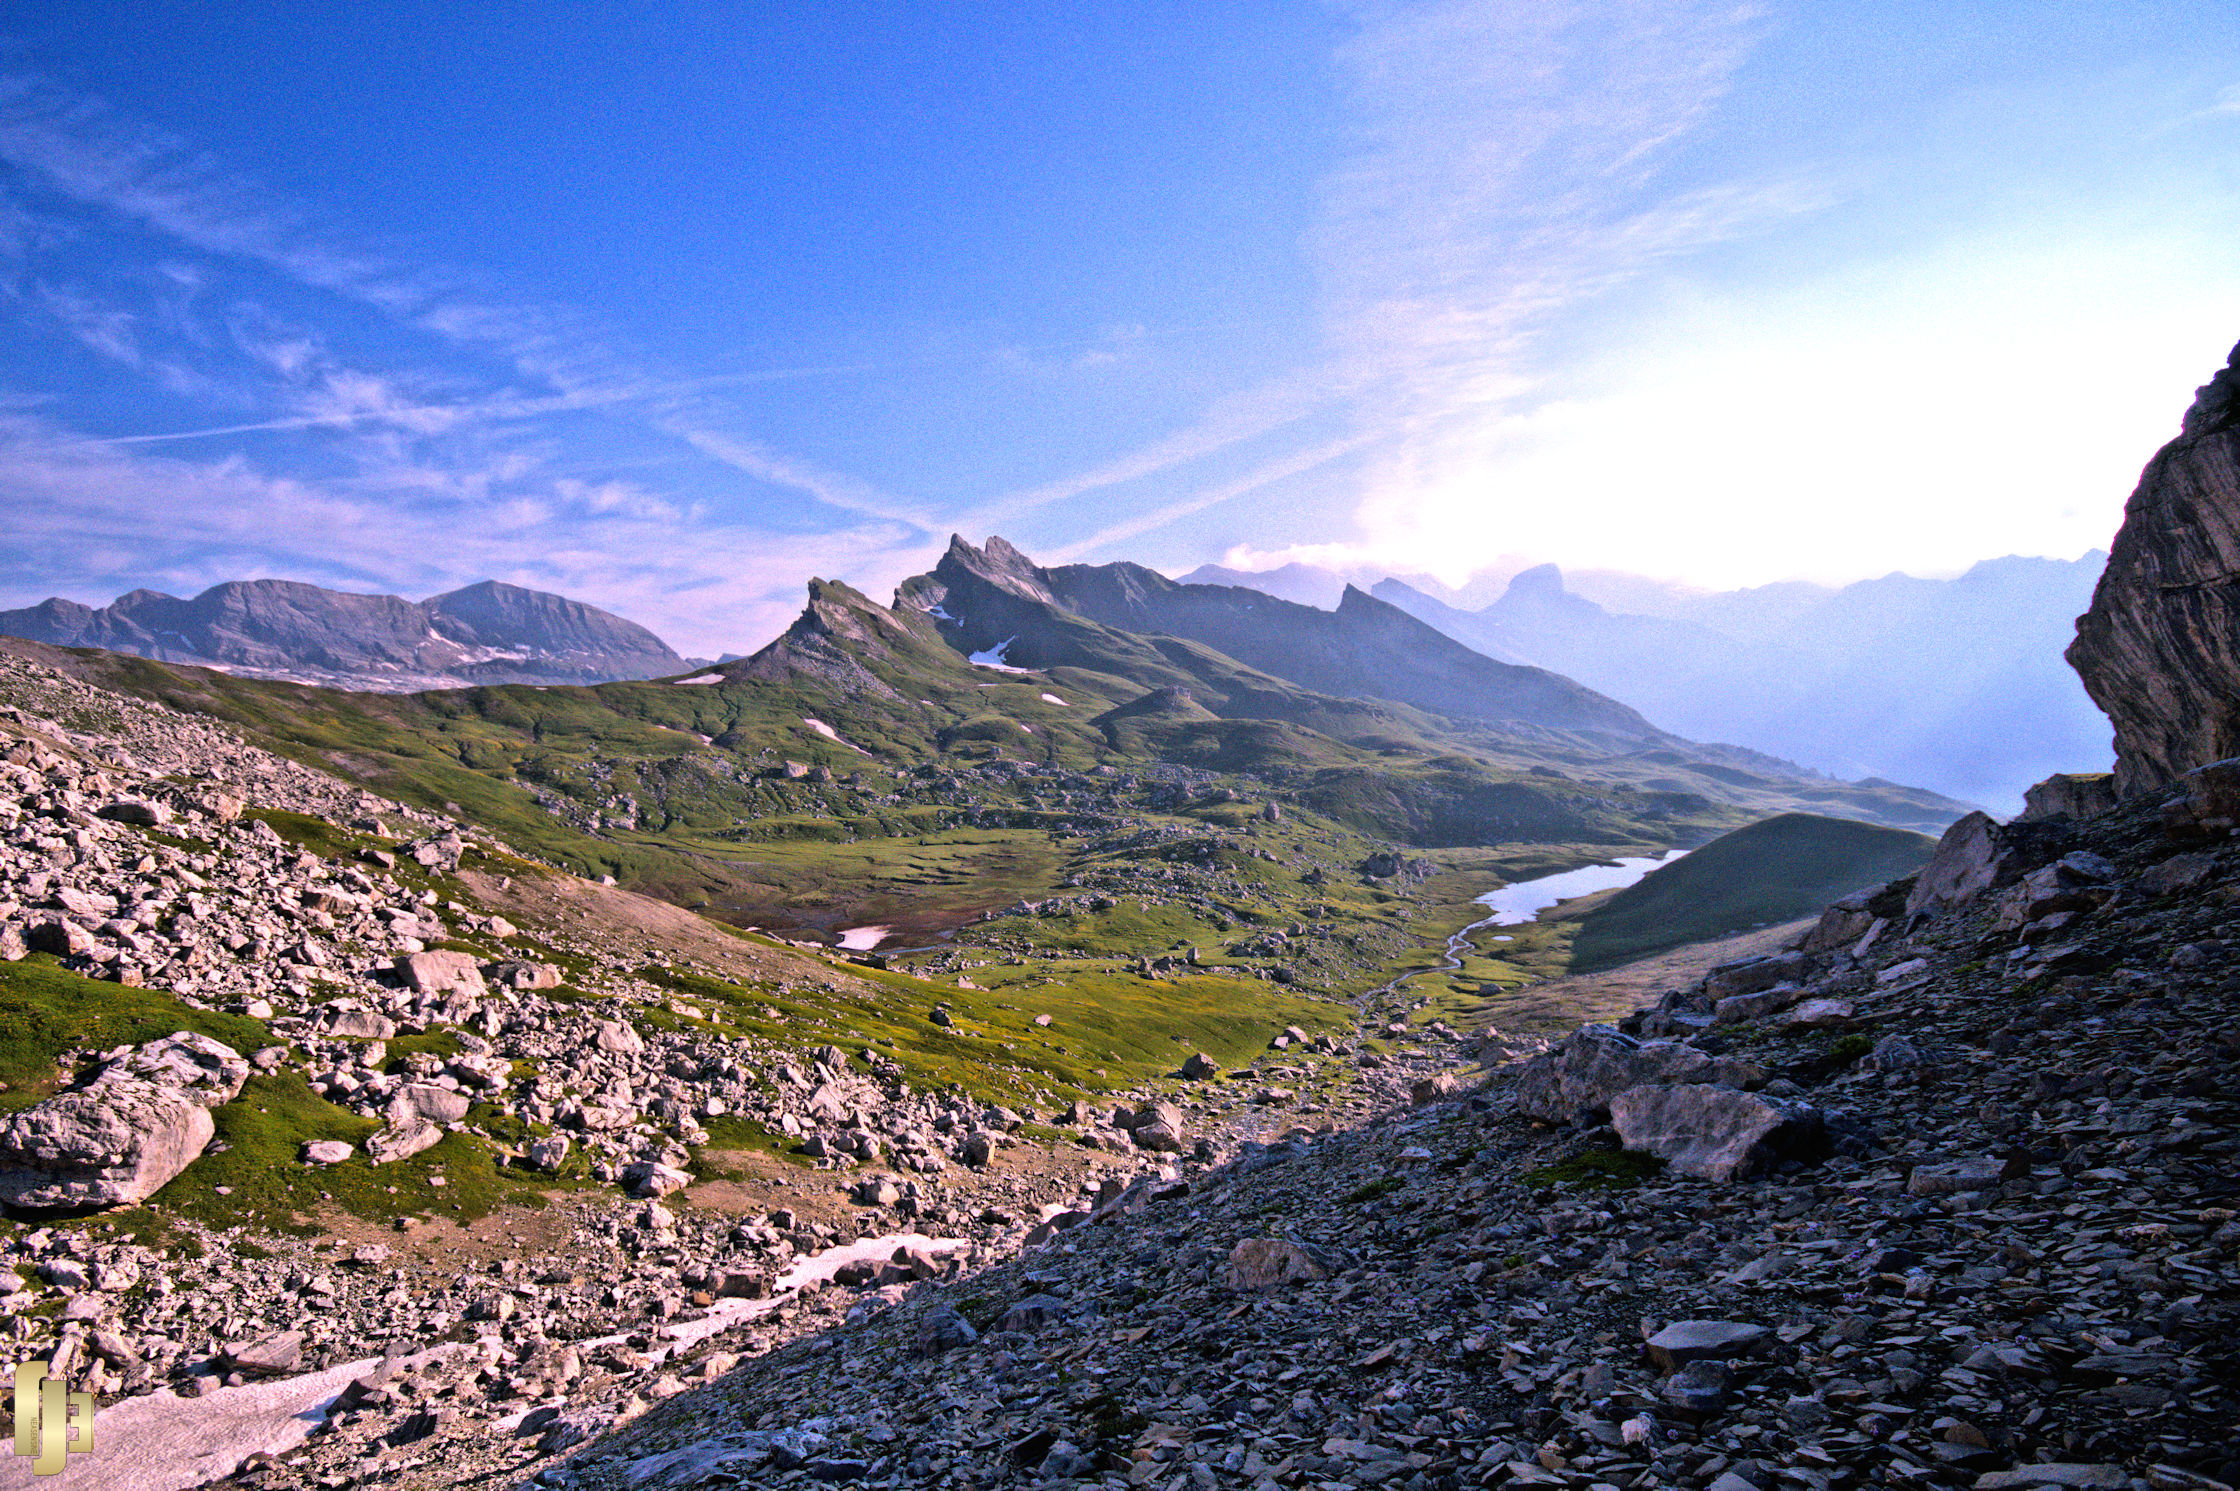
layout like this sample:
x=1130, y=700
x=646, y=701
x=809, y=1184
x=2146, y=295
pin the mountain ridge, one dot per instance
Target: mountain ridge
x=484, y=633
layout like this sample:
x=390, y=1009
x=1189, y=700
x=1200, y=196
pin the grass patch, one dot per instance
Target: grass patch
x=1383, y=1185
x=1597, y=1170
x=46, y=1011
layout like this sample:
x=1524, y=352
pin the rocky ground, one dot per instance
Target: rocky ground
x=1955, y=1206
x=137, y=848
x=1943, y=1196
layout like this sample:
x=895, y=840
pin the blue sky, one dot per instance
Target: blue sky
x=669, y=308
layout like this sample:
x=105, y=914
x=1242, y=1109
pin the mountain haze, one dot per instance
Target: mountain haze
x=1955, y=684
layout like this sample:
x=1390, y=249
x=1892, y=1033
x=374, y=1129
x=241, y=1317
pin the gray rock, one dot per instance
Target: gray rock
x=1712, y=1132
x=1596, y=1063
x=549, y=1153
x=1686, y=1341
x=402, y=1140
x=1200, y=1067
x=328, y=1151
x=103, y=1146
x=195, y=1066
x=358, y=1024
x=942, y=1329
x=1157, y=1137
x=1258, y=1264
x=1949, y=1180
x=617, y=1039
x=1034, y=1313
x=2075, y=1477
x=425, y=1100
x=1699, y=1387
x=441, y=971
x=269, y=1356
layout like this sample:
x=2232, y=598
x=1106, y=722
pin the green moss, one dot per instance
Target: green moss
x=46, y=1011
x=1384, y=1185
x=1597, y=1169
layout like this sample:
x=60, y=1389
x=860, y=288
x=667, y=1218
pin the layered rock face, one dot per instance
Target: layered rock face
x=2160, y=649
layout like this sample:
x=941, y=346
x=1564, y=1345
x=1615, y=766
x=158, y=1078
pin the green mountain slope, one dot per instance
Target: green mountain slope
x=1772, y=871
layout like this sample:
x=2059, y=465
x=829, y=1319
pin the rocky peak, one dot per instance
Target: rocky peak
x=2159, y=650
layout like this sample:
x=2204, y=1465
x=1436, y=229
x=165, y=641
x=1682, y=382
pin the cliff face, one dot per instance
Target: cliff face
x=2160, y=649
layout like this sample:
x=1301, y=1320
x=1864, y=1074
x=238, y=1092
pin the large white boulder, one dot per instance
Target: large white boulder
x=112, y=1144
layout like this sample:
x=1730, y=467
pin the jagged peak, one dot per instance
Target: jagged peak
x=2216, y=403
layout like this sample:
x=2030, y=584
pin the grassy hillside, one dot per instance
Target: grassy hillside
x=1772, y=871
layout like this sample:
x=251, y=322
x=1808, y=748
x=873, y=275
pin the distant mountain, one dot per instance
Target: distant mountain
x=1365, y=649
x=1955, y=684
x=484, y=634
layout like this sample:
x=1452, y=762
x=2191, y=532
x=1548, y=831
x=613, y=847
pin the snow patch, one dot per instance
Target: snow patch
x=833, y=735
x=1054, y=699
x=943, y=615
x=993, y=658
x=863, y=939
x=699, y=678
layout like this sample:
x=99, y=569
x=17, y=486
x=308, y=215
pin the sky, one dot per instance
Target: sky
x=669, y=308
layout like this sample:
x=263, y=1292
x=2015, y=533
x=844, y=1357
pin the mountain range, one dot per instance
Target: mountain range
x=284, y=629
x=1956, y=684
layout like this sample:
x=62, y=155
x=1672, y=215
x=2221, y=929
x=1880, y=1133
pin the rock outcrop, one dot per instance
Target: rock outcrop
x=2159, y=651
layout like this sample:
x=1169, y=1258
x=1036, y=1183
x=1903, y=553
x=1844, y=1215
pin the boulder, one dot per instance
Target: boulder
x=2070, y=795
x=359, y=1024
x=652, y=1178
x=110, y=1145
x=1258, y=1264
x=1686, y=1341
x=617, y=1039
x=59, y=936
x=516, y=974
x=1968, y=861
x=1715, y=1132
x=440, y=972
x=425, y=1100
x=13, y=949
x=1952, y=1179
x=1749, y=975
x=2179, y=872
x=1158, y=1137
x=1596, y=1063
x=208, y=1071
x=138, y=811
x=327, y=1152
x=548, y=1153
x=269, y=1356
x=1200, y=1067
x=402, y=1140
x=1439, y=1087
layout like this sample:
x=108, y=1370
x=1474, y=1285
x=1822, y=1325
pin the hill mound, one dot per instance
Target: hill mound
x=1772, y=871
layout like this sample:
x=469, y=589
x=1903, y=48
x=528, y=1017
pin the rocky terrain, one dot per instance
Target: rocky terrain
x=356, y=973
x=1944, y=1197
x=2159, y=651
x=483, y=634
